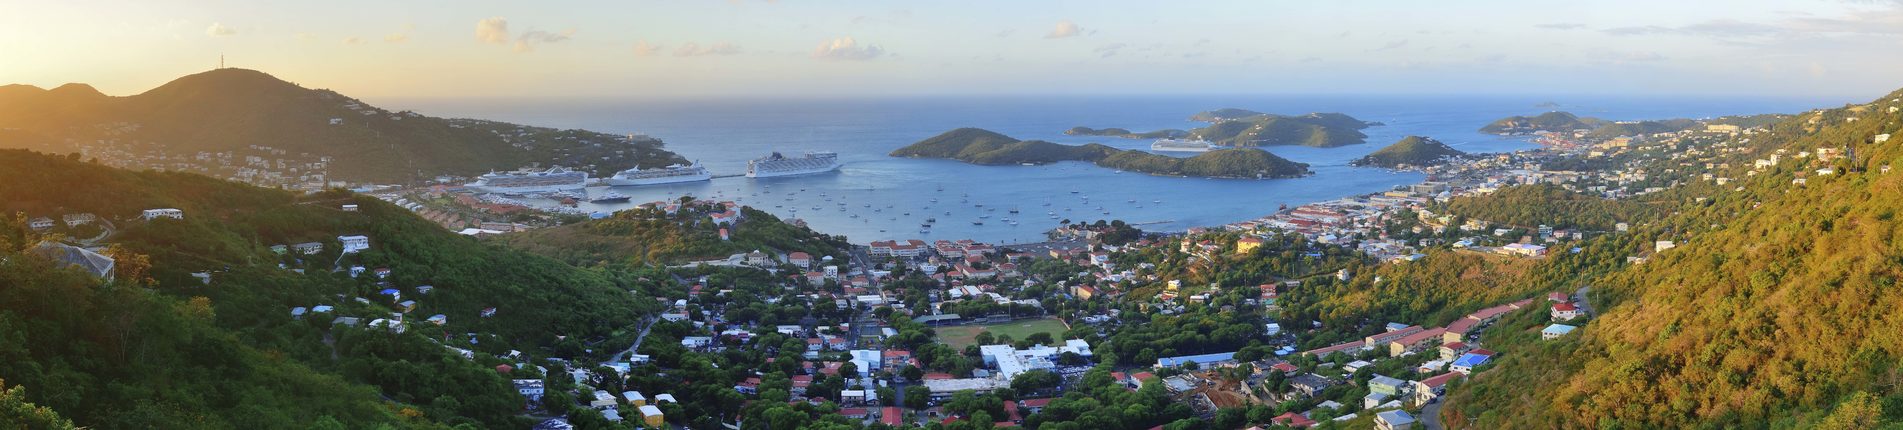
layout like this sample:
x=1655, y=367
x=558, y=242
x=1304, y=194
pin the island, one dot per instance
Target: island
x=1168, y=133
x=1595, y=128
x=1242, y=127
x=1410, y=151
x=985, y=147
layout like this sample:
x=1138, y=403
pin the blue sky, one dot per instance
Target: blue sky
x=800, y=47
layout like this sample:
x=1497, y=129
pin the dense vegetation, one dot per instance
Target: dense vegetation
x=1558, y=122
x=1774, y=312
x=231, y=109
x=979, y=146
x=1530, y=206
x=1236, y=127
x=651, y=236
x=1126, y=133
x=160, y=348
x=1410, y=151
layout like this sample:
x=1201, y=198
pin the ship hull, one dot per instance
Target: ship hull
x=754, y=173
x=530, y=189
x=632, y=182
x=1178, y=149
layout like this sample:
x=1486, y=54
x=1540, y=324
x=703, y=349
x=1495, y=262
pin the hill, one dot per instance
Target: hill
x=979, y=146
x=1125, y=133
x=233, y=109
x=1772, y=311
x=160, y=347
x=1410, y=151
x=1555, y=121
x=640, y=236
x=1320, y=130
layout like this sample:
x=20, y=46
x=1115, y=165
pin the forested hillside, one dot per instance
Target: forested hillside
x=1775, y=310
x=979, y=146
x=158, y=347
x=1550, y=205
x=642, y=236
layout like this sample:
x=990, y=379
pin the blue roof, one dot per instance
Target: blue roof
x=387, y=291
x=1199, y=359
x=1471, y=360
x=1558, y=329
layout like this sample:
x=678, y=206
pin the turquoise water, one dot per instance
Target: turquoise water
x=724, y=133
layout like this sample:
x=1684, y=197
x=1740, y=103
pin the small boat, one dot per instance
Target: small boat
x=977, y=222
x=610, y=197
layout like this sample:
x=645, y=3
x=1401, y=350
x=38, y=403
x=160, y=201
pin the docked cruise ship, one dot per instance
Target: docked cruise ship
x=666, y=175
x=531, y=181
x=1182, y=145
x=780, y=165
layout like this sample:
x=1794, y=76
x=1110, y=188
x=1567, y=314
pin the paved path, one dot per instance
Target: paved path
x=1580, y=296
x=624, y=355
x=1430, y=415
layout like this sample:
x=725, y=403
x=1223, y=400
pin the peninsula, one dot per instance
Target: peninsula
x=1168, y=133
x=985, y=147
x=1565, y=122
x=1410, y=151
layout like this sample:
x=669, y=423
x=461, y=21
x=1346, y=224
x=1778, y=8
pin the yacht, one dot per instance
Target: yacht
x=775, y=164
x=609, y=197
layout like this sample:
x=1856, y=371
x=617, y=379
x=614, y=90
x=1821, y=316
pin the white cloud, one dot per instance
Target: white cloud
x=645, y=49
x=691, y=49
x=397, y=38
x=845, y=48
x=219, y=30
x=528, y=40
x=493, y=30
x=1108, y=51
x=353, y=41
x=1064, y=29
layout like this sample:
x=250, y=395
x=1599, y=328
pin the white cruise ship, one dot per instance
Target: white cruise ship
x=780, y=165
x=531, y=181
x=666, y=175
x=1182, y=145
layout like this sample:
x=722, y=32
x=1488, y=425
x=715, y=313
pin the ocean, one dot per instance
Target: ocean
x=877, y=197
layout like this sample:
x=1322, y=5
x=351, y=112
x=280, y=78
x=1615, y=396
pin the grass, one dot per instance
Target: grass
x=959, y=336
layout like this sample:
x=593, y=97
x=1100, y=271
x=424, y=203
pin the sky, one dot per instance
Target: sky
x=705, y=48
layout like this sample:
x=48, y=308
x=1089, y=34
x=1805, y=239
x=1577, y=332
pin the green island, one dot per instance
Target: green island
x=1564, y=122
x=1241, y=127
x=1410, y=151
x=233, y=110
x=985, y=147
x=1168, y=133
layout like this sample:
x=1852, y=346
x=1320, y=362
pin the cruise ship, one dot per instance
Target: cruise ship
x=780, y=165
x=666, y=175
x=1180, y=145
x=531, y=181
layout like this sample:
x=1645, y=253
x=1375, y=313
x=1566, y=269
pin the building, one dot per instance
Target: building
x=1565, y=311
x=1467, y=362
x=1309, y=384
x=1556, y=331
x=1416, y=342
x=1382, y=384
x=41, y=223
x=529, y=388
x=1393, y=420
x=651, y=416
x=93, y=263
x=1426, y=390
x=353, y=244
x=152, y=214
x=1011, y=361
x=1523, y=249
x=1202, y=361
x=1293, y=420
x=75, y=220
x=1248, y=245
x=944, y=388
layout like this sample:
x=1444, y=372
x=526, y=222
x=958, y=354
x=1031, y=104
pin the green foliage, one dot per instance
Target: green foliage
x=978, y=146
x=639, y=236
x=1168, y=133
x=1240, y=128
x=1529, y=206
x=1558, y=122
x=1411, y=150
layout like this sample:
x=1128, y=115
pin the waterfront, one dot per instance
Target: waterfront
x=870, y=198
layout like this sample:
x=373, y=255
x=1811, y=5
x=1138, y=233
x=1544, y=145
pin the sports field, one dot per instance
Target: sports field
x=959, y=336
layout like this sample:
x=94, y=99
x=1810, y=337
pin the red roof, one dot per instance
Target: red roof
x=1455, y=345
x=1565, y=307
x=1481, y=351
x=1292, y=419
x=938, y=376
x=1438, y=380
x=1036, y=403
x=1285, y=367
x=855, y=412
x=889, y=415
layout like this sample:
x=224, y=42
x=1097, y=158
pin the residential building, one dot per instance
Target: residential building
x=152, y=214
x=93, y=263
x=353, y=244
x=1556, y=331
x=1393, y=420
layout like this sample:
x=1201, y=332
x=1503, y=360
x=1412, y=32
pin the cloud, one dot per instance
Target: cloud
x=691, y=49
x=645, y=49
x=1398, y=44
x=1617, y=57
x=353, y=41
x=219, y=30
x=1715, y=28
x=493, y=30
x=1064, y=29
x=845, y=48
x=528, y=40
x=1108, y=51
x=397, y=38
x=1561, y=26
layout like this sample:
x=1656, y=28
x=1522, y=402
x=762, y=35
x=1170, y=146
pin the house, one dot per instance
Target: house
x=93, y=263
x=1309, y=384
x=603, y=400
x=1202, y=361
x=1523, y=249
x=308, y=248
x=1416, y=342
x=75, y=220
x=1556, y=331
x=1393, y=420
x=651, y=416
x=529, y=388
x=152, y=214
x=852, y=397
x=41, y=223
x=1565, y=311
x=1470, y=360
x=800, y=259
x=611, y=414
x=350, y=208
x=1451, y=350
x=1426, y=390
x=353, y=244
x=1248, y=245
x=438, y=319
x=1292, y=419
x=697, y=341
x=1382, y=384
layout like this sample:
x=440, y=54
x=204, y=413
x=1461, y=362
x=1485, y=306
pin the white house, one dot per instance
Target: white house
x=353, y=244
x=152, y=214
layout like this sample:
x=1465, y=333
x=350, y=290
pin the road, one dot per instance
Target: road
x=624, y=355
x=1580, y=296
x=1430, y=415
